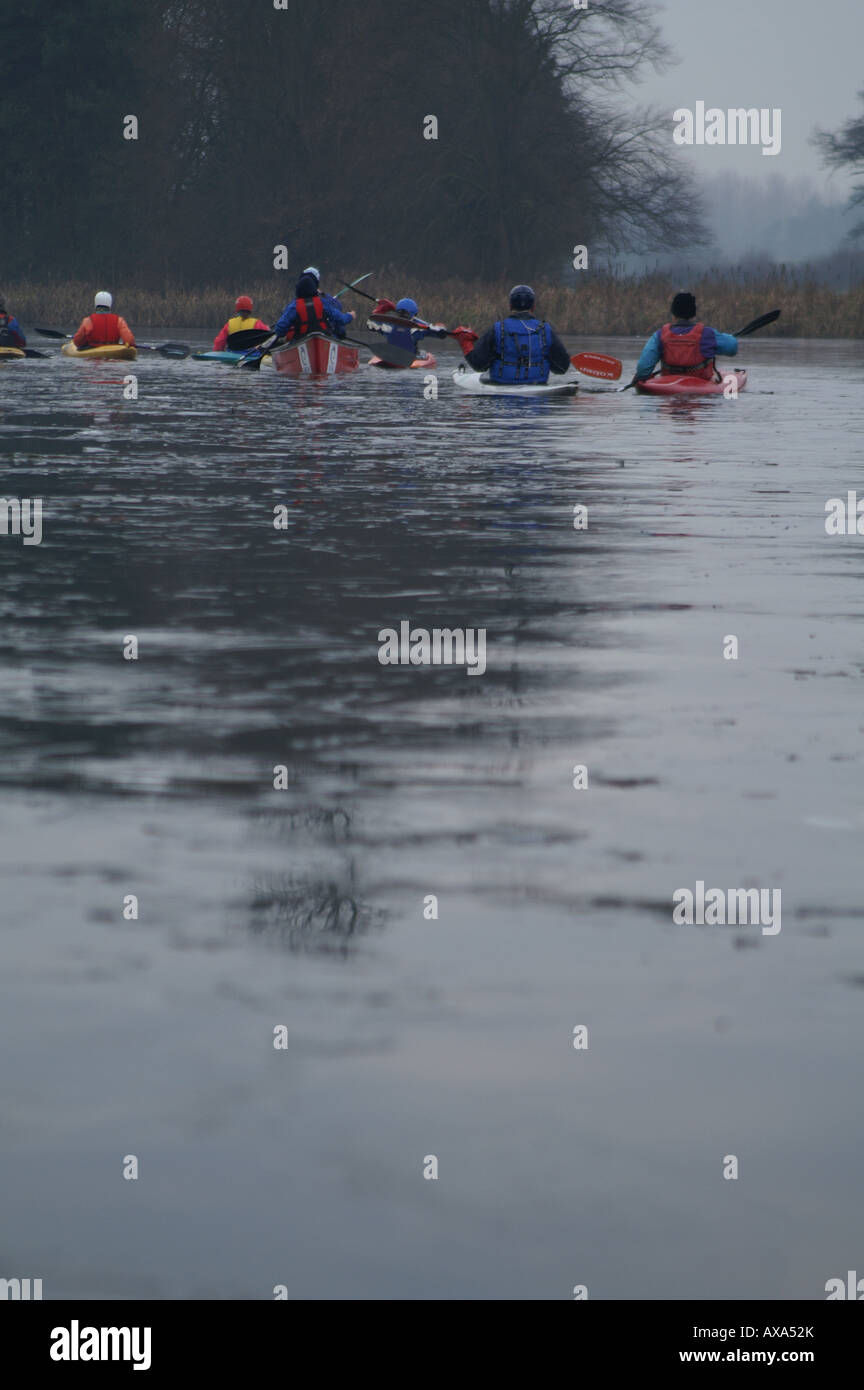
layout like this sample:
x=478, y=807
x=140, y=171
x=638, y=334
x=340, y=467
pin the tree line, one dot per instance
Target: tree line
x=306, y=126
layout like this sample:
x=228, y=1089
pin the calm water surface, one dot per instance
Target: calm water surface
x=304, y=907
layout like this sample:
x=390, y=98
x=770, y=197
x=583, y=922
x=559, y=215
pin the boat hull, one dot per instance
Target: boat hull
x=11, y=354
x=316, y=355
x=691, y=386
x=428, y=360
x=479, y=385
x=226, y=358
x=108, y=352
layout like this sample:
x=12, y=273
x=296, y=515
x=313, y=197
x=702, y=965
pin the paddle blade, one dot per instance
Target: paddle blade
x=177, y=350
x=248, y=338
x=390, y=352
x=598, y=364
x=358, y=281
x=32, y=352
x=761, y=322
x=52, y=333
x=396, y=356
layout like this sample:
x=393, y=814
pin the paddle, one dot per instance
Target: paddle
x=359, y=279
x=598, y=364
x=32, y=352
x=248, y=338
x=390, y=352
x=762, y=322
x=177, y=350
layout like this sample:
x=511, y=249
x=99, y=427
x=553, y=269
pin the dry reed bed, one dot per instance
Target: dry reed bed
x=604, y=305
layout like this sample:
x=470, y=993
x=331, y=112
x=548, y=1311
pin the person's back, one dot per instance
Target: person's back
x=103, y=326
x=241, y=321
x=402, y=326
x=311, y=311
x=10, y=329
x=520, y=349
x=685, y=346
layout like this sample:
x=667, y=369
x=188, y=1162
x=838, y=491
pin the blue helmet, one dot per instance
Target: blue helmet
x=407, y=306
x=521, y=297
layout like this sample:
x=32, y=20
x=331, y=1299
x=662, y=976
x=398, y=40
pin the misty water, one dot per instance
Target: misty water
x=409, y=1037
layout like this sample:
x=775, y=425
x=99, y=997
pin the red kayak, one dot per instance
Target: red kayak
x=690, y=385
x=426, y=359
x=316, y=355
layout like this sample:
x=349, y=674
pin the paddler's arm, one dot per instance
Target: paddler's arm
x=287, y=320
x=726, y=345
x=126, y=334
x=82, y=337
x=559, y=357
x=340, y=317
x=220, y=342
x=482, y=354
x=650, y=356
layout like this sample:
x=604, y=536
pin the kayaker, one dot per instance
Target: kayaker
x=310, y=311
x=103, y=325
x=241, y=321
x=409, y=334
x=10, y=329
x=685, y=347
x=519, y=349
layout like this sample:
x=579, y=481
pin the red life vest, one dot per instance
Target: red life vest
x=105, y=328
x=310, y=322
x=682, y=353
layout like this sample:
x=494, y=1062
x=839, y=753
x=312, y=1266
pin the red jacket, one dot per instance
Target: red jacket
x=682, y=353
x=103, y=327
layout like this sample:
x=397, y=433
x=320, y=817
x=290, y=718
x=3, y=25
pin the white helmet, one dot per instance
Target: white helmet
x=103, y=300
x=313, y=270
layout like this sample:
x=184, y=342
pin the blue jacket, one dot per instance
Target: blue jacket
x=713, y=344
x=334, y=315
x=486, y=351
x=10, y=332
x=409, y=337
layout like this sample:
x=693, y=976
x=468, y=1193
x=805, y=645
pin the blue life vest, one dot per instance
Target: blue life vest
x=522, y=351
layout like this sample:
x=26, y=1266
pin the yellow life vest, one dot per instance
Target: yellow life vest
x=241, y=322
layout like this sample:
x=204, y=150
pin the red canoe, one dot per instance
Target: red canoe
x=690, y=385
x=427, y=360
x=316, y=355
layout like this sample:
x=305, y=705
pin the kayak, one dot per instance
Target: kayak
x=426, y=359
x=480, y=385
x=108, y=352
x=316, y=354
x=226, y=357
x=9, y=354
x=691, y=386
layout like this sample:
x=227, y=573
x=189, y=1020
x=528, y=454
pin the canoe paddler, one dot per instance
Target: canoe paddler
x=310, y=311
x=241, y=321
x=685, y=347
x=10, y=329
x=409, y=332
x=103, y=325
x=517, y=350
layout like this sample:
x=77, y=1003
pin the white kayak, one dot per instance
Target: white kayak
x=480, y=385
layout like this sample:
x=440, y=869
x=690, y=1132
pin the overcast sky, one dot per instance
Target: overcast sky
x=805, y=56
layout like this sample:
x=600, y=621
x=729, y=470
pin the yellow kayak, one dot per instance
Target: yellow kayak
x=7, y=353
x=110, y=352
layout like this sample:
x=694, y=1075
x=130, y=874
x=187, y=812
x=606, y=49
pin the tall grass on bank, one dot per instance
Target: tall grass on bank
x=602, y=304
